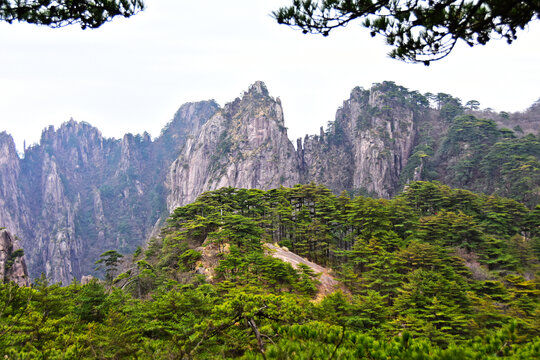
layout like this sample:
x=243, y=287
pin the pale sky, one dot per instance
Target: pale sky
x=131, y=75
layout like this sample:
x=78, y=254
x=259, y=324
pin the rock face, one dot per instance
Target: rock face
x=243, y=145
x=365, y=148
x=12, y=261
x=13, y=205
x=78, y=194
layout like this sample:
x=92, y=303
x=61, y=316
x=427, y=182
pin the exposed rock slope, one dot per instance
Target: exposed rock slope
x=12, y=262
x=366, y=147
x=77, y=194
x=243, y=145
x=13, y=204
x=327, y=283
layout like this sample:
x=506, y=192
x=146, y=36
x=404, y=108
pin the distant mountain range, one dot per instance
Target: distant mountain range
x=77, y=194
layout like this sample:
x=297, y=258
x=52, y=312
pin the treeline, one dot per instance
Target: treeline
x=455, y=143
x=478, y=155
x=436, y=273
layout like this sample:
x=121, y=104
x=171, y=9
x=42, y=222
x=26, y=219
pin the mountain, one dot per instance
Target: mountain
x=77, y=194
x=245, y=144
x=366, y=148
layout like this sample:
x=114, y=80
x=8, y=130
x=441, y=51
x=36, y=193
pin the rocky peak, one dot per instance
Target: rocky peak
x=258, y=88
x=187, y=122
x=13, y=210
x=127, y=146
x=75, y=145
x=256, y=103
x=243, y=145
x=77, y=194
x=133, y=150
x=371, y=140
x=8, y=152
x=64, y=135
x=192, y=116
x=12, y=261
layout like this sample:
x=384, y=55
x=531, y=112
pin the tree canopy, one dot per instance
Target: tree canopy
x=419, y=30
x=435, y=273
x=58, y=13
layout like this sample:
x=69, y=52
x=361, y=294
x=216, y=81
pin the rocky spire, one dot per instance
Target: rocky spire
x=12, y=261
x=244, y=145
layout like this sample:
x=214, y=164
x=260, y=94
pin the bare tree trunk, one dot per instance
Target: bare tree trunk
x=251, y=323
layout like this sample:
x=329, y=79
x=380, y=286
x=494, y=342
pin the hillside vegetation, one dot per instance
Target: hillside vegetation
x=435, y=273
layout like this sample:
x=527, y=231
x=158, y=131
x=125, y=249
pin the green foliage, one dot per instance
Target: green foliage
x=109, y=261
x=89, y=14
x=189, y=258
x=91, y=302
x=399, y=95
x=473, y=104
x=477, y=155
x=419, y=31
x=12, y=257
x=436, y=273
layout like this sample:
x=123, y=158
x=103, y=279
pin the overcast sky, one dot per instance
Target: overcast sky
x=131, y=75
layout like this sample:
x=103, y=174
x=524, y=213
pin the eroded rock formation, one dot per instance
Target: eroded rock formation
x=243, y=145
x=12, y=260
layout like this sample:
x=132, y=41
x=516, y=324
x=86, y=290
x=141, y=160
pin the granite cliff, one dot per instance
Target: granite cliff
x=77, y=194
x=245, y=144
x=12, y=260
x=367, y=146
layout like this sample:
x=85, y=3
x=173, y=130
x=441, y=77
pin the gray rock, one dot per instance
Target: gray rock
x=243, y=145
x=12, y=262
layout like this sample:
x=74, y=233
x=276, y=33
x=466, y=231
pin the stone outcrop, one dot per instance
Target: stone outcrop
x=365, y=148
x=246, y=145
x=243, y=145
x=327, y=283
x=14, y=209
x=12, y=260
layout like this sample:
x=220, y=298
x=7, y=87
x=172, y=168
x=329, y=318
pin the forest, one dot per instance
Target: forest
x=434, y=273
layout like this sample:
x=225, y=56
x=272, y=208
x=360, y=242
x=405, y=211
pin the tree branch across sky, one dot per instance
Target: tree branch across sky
x=58, y=13
x=418, y=30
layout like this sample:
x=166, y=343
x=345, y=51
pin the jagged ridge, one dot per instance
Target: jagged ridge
x=77, y=194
